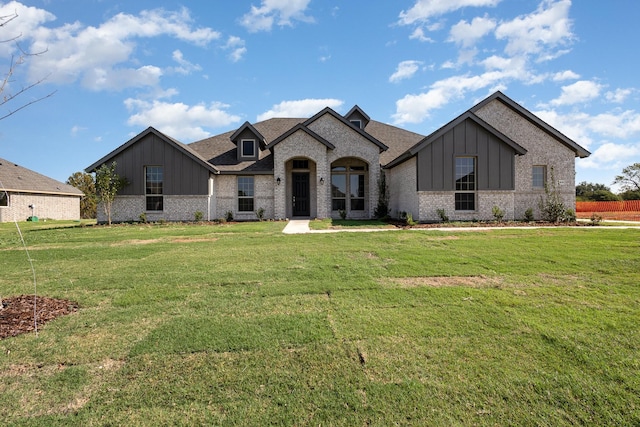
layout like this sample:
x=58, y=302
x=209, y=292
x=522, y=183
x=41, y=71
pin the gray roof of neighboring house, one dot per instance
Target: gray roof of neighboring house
x=18, y=179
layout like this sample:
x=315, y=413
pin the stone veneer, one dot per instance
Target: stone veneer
x=431, y=201
x=47, y=206
x=176, y=208
x=403, y=183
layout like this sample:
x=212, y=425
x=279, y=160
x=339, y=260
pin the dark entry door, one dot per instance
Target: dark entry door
x=301, y=206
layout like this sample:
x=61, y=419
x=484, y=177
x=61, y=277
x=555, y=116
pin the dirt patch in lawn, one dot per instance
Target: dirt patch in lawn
x=17, y=313
x=445, y=281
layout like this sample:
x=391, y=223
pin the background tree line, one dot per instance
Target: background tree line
x=628, y=180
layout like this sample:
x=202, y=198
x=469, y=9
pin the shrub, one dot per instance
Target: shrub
x=260, y=214
x=198, y=216
x=443, y=215
x=342, y=213
x=596, y=219
x=143, y=217
x=498, y=213
x=569, y=216
x=552, y=206
x=382, y=209
x=528, y=215
x=409, y=219
x=228, y=216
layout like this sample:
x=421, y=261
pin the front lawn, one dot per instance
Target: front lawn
x=238, y=324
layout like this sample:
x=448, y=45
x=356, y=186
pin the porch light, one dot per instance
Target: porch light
x=321, y=180
x=278, y=181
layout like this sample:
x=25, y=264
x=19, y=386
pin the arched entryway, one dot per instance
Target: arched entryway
x=350, y=188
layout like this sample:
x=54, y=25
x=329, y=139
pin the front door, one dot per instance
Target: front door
x=301, y=205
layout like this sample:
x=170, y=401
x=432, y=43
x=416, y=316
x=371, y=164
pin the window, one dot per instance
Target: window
x=539, y=175
x=465, y=196
x=338, y=192
x=154, y=183
x=356, y=186
x=357, y=123
x=4, y=199
x=245, y=193
x=248, y=147
x=300, y=164
x=348, y=185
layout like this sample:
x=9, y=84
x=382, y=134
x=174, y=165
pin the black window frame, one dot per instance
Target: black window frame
x=154, y=188
x=246, y=193
x=466, y=171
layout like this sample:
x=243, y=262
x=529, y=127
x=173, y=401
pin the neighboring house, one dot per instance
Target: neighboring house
x=25, y=193
x=495, y=154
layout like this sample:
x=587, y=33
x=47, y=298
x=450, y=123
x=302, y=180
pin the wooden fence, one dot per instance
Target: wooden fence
x=627, y=210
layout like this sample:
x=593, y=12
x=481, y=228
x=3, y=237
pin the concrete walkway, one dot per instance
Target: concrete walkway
x=301, y=226
x=297, y=226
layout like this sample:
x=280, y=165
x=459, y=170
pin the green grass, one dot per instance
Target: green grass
x=241, y=325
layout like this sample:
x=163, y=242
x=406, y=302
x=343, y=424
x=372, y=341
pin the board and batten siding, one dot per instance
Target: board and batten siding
x=182, y=175
x=495, y=160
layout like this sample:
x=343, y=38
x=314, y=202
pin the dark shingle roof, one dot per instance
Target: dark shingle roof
x=221, y=152
x=15, y=178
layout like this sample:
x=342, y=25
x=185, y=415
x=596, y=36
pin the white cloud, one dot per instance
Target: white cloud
x=467, y=34
x=301, y=108
x=101, y=57
x=418, y=34
x=578, y=92
x=548, y=27
x=280, y=12
x=619, y=95
x=416, y=108
x=423, y=10
x=611, y=156
x=179, y=120
x=25, y=25
x=565, y=75
x=405, y=70
x=184, y=66
x=237, y=47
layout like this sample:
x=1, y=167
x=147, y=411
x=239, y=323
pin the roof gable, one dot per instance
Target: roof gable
x=461, y=118
x=303, y=128
x=357, y=113
x=248, y=126
x=195, y=156
x=343, y=120
x=535, y=120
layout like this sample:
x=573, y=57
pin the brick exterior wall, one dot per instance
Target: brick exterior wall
x=47, y=206
x=176, y=208
x=431, y=201
x=403, y=183
x=226, y=197
x=542, y=149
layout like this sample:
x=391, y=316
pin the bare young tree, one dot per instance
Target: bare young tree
x=8, y=95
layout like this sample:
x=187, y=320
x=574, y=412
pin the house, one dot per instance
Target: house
x=495, y=154
x=25, y=193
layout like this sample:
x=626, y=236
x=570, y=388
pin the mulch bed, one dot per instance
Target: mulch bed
x=16, y=313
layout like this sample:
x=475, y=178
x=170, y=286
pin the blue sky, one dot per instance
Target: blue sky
x=195, y=69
